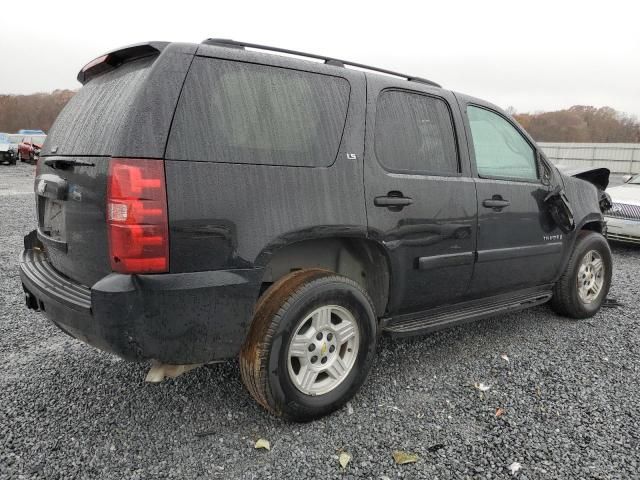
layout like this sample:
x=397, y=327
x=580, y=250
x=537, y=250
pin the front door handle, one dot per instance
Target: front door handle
x=497, y=203
x=393, y=201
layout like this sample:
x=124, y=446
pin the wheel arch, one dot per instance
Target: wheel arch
x=361, y=259
x=593, y=224
x=590, y=223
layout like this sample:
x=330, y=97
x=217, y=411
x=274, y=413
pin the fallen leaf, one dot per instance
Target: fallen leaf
x=403, y=457
x=481, y=386
x=344, y=459
x=263, y=443
x=514, y=467
x=504, y=357
x=349, y=408
x=500, y=412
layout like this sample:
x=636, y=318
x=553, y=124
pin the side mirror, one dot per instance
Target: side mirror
x=626, y=178
x=560, y=209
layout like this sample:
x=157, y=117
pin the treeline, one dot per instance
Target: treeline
x=581, y=124
x=576, y=124
x=37, y=111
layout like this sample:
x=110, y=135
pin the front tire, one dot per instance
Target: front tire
x=584, y=285
x=310, y=346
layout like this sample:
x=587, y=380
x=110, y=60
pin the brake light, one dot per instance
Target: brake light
x=94, y=62
x=137, y=216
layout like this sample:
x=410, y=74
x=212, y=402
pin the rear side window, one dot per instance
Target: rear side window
x=414, y=134
x=501, y=151
x=246, y=113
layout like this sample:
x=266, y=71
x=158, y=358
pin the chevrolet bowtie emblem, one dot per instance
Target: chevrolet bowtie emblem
x=323, y=349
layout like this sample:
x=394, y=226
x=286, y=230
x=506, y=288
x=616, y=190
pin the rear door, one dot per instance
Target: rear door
x=519, y=245
x=420, y=197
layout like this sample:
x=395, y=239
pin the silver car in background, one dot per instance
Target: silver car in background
x=8, y=153
x=623, y=218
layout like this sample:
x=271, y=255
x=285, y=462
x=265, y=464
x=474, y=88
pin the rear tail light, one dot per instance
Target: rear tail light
x=137, y=216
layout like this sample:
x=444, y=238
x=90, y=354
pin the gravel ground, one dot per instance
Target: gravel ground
x=569, y=391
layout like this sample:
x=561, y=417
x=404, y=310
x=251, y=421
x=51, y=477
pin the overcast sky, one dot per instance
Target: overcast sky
x=535, y=55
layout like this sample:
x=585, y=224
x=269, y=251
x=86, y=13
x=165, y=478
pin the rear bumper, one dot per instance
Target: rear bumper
x=175, y=318
x=623, y=230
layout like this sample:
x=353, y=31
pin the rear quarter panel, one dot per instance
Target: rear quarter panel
x=226, y=215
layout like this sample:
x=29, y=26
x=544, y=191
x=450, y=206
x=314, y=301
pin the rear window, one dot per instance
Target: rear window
x=246, y=113
x=414, y=134
x=89, y=123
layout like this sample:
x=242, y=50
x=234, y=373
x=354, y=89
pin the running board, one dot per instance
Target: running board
x=441, y=317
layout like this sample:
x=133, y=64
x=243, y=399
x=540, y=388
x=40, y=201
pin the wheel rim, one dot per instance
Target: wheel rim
x=323, y=350
x=590, y=276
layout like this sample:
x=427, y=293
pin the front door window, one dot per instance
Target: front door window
x=501, y=151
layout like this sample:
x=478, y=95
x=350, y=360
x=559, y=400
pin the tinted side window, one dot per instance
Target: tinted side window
x=414, y=134
x=500, y=149
x=245, y=113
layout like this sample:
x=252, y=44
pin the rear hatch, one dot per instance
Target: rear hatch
x=125, y=110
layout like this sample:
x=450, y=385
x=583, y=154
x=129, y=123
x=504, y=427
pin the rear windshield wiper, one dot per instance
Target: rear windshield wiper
x=62, y=163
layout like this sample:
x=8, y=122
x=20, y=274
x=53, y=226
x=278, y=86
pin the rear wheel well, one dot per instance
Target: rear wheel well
x=363, y=261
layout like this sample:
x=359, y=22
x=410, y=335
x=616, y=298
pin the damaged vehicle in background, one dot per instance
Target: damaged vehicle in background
x=623, y=218
x=7, y=151
x=223, y=201
x=29, y=148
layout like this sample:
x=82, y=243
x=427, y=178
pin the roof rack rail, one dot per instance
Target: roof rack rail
x=223, y=42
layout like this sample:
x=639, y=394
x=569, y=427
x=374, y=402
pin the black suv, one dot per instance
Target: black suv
x=200, y=202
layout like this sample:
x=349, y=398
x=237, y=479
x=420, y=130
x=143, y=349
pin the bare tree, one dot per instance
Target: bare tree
x=581, y=124
x=37, y=111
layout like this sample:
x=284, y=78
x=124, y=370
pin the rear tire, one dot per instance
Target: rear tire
x=310, y=346
x=584, y=285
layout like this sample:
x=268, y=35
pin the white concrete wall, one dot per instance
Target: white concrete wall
x=621, y=158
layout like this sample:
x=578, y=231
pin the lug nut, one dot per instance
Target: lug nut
x=324, y=360
x=312, y=347
x=319, y=336
x=330, y=336
x=314, y=359
x=332, y=348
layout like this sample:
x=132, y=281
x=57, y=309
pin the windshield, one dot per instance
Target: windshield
x=635, y=180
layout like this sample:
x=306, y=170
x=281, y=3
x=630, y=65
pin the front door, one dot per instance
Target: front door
x=519, y=245
x=420, y=197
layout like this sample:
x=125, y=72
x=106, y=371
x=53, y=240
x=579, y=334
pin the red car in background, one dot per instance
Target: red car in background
x=29, y=149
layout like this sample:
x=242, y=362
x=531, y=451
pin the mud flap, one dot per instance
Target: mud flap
x=560, y=209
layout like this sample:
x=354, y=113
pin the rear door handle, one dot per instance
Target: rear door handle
x=496, y=203
x=393, y=201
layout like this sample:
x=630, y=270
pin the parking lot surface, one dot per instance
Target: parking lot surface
x=568, y=392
